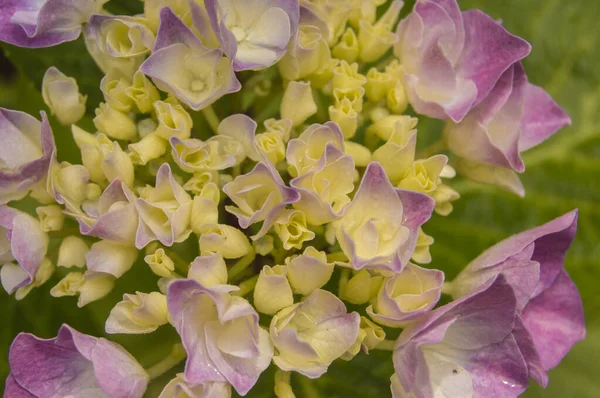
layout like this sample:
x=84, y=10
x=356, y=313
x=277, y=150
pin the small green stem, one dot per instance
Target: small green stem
x=180, y=264
x=386, y=345
x=337, y=256
x=241, y=264
x=247, y=286
x=177, y=355
x=211, y=118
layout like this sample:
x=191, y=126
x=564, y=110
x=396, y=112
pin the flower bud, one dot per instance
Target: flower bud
x=160, y=263
x=90, y=287
x=347, y=48
x=61, y=94
x=264, y=245
x=116, y=164
x=72, y=252
x=376, y=39
x=397, y=101
x=114, y=123
x=308, y=336
x=282, y=127
x=205, y=208
x=51, y=217
x=378, y=84
x=271, y=146
x=173, y=120
x=138, y=313
x=224, y=239
x=68, y=183
x=346, y=75
x=421, y=254
x=298, y=103
x=397, y=155
x=142, y=93
x=291, y=229
x=114, y=87
x=151, y=147
x=361, y=287
x=369, y=336
x=361, y=155
x=146, y=127
x=406, y=296
x=91, y=156
x=272, y=291
x=385, y=126
x=92, y=191
x=110, y=258
x=424, y=174
x=345, y=116
x=200, y=180
x=308, y=271
x=209, y=270
x=444, y=196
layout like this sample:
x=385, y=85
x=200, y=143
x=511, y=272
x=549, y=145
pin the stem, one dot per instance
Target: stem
x=283, y=387
x=180, y=263
x=337, y=256
x=308, y=388
x=343, y=282
x=177, y=355
x=386, y=345
x=241, y=264
x=211, y=118
x=247, y=286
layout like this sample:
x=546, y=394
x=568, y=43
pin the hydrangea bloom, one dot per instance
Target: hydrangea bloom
x=261, y=160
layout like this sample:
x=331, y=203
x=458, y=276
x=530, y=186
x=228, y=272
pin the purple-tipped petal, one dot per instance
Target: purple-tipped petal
x=489, y=50
x=542, y=117
x=253, y=33
x=466, y=346
x=28, y=246
x=490, y=133
x=452, y=60
x=31, y=23
x=220, y=334
x=181, y=65
x=75, y=364
x=27, y=151
x=555, y=320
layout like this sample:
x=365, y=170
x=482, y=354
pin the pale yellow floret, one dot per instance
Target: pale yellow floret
x=396, y=98
x=151, y=147
x=138, y=313
x=224, y=239
x=61, y=94
x=345, y=116
x=51, y=217
x=421, y=254
x=115, y=124
x=142, y=93
x=90, y=287
x=271, y=145
x=346, y=75
x=347, y=48
x=378, y=84
x=298, y=103
x=272, y=291
x=72, y=252
x=361, y=287
x=160, y=263
x=292, y=230
x=116, y=164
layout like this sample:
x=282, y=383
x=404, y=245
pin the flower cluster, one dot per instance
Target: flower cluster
x=261, y=158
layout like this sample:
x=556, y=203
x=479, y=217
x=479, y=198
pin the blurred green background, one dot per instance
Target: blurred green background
x=562, y=174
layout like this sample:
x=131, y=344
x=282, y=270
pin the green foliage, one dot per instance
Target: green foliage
x=562, y=174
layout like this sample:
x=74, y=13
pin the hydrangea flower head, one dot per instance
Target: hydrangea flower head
x=251, y=195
